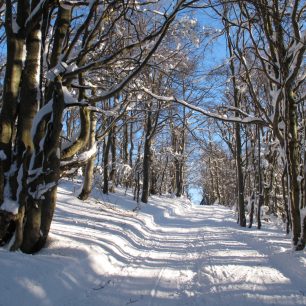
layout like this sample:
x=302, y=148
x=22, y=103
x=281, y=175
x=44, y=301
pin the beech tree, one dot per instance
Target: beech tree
x=78, y=61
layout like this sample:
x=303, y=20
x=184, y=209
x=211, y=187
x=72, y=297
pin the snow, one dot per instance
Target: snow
x=169, y=252
x=10, y=206
x=82, y=157
x=44, y=111
x=35, y=11
x=66, y=6
x=56, y=71
x=41, y=190
x=15, y=26
x=2, y=155
x=68, y=97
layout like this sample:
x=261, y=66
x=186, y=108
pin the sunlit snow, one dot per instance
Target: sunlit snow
x=169, y=252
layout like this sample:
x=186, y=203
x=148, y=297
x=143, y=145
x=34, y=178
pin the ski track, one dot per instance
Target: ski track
x=168, y=253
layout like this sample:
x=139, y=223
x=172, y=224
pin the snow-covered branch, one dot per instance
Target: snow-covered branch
x=247, y=120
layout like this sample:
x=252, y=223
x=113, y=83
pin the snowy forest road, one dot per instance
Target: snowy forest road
x=168, y=253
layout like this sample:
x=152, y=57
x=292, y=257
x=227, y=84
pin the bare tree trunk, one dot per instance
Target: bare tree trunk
x=105, y=164
x=302, y=241
x=89, y=170
x=113, y=151
x=285, y=199
x=112, y=174
x=146, y=171
x=48, y=203
x=163, y=176
x=28, y=106
x=131, y=145
x=147, y=159
x=178, y=177
x=293, y=170
x=125, y=143
x=260, y=187
x=37, y=226
x=14, y=64
x=252, y=210
x=153, y=185
x=39, y=212
x=217, y=182
x=241, y=210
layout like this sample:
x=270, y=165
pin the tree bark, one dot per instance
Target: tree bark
x=105, y=164
x=147, y=160
x=112, y=174
x=89, y=170
x=14, y=64
x=240, y=183
x=28, y=106
x=293, y=169
x=260, y=187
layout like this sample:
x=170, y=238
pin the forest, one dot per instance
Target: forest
x=156, y=97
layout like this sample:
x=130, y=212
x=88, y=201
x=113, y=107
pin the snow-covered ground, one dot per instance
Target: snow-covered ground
x=169, y=252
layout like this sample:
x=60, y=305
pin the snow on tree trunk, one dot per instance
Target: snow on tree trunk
x=89, y=170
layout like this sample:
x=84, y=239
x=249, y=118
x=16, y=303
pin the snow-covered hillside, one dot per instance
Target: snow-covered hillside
x=102, y=252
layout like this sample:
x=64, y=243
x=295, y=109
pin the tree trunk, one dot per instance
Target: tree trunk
x=178, y=176
x=29, y=103
x=260, y=187
x=113, y=151
x=15, y=53
x=285, y=199
x=302, y=241
x=89, y=170
x=48, y=202
x=35, y=214
x=293, y=169
x=105, y=164
x=37, y=225
x=252, y=210
x=240, y=184
x=131, y=146
x=125, y=143
x=147, y=159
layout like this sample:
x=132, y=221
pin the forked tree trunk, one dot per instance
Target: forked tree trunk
x=35, y=214
x=24, y=147
x=38, y=220
x=48, y=202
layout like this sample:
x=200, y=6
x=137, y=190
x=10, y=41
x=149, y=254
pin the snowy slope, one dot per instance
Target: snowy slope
x=169, y=252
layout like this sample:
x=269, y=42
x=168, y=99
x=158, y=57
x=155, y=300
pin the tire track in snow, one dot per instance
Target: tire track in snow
x=215, y=287
x=191, y=255
x=154, y=290
x=191, y=288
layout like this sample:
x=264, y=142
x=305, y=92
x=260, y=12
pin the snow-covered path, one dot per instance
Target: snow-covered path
x=168, y=253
